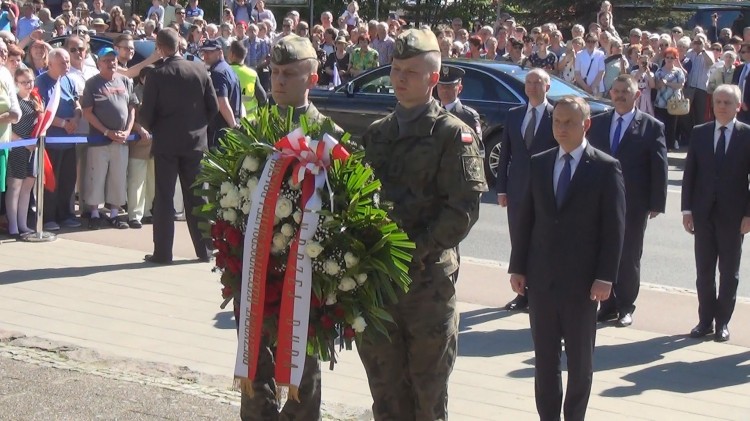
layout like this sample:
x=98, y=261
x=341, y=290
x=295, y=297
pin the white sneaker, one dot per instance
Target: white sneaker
x=51, y=226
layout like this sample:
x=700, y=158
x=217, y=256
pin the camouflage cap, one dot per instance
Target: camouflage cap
x=414, y=42
x=291, y=49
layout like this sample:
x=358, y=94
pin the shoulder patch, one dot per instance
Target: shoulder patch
x=466, y=137
x=473, y=170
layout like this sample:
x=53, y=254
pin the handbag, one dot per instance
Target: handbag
x=678, y=104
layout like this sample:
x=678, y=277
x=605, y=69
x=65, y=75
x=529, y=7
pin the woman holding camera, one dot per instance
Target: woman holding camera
x=646, y=83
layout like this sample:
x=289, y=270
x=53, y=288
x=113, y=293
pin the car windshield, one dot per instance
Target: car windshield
x=558, y=87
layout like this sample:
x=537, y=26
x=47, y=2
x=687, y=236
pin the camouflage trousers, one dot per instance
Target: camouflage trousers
x=408, y=376
x=264, y=404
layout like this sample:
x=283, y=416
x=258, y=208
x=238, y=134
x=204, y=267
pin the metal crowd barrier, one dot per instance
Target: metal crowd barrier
x=40, y=235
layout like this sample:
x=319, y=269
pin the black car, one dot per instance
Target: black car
x=491, y=88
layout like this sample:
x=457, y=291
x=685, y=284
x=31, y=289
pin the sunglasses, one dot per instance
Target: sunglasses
x=81, y=32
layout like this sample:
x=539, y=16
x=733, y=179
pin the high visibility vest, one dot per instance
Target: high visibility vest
x=247, y=78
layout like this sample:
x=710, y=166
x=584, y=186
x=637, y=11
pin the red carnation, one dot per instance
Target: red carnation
x=221, y=262
x=270, y=310
x=339, y=312
x=221, y=246
x=326, y=322
x=234, y=265
x=216, y=231
x=349, y=332
x=226, y=292
x=234, y=237
x=273, y=292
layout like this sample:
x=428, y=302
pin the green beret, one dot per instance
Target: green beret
x=414, y=42
x=291, y=49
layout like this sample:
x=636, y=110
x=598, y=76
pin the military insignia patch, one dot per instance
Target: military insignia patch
x=400, y=46
x=445, y=71
x=278, y=54
x=466, y=137
x=473, y=168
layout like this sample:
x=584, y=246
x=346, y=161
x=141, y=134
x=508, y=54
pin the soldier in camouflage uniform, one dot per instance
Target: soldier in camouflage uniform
x=432, y=175
x=294, y=70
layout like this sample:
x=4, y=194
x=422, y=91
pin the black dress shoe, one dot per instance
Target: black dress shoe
x=625, y=320
x=157, y=260
x=517, y=304
x=722, y=334
x=702, y=330
x=606, y=316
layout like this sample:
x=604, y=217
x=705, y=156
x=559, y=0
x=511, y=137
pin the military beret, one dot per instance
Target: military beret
x=450, y=74
x=414, y=42
x=291, y=49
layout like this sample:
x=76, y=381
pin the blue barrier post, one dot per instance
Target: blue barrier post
x=39, y=235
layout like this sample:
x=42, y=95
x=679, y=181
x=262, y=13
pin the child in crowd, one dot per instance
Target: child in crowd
x=158, y=9
x=351, y=15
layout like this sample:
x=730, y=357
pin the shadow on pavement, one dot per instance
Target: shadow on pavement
x=472, y=343
x=16, y=276
x=225, y=320
x=687, y=377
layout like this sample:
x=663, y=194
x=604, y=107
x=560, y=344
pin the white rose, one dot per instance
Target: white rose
x=347, y=284
x=246, y=207
x=230, y=200
x=226, y=186
x=359, y=324
x=350, y=260
x=287, y=230
x=361, y=278
x=331, y=267
x=284, y=207
x=331, y=299
x=252, y=184
x=279, y=241
x=297, y=215
x=292, y=185
x=229, y=215
x=244, y=193
x=250, y=163
x=276, y=250
x=314, y=249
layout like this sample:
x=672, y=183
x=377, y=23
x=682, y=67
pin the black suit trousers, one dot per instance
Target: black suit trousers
x=554, y=317
x=625, y=290
x=57, y=203
x=715, y=239
x=167, y=167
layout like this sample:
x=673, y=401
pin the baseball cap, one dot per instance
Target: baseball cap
x=106, y=50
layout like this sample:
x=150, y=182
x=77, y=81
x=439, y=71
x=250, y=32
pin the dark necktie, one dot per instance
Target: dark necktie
x=618, y=133
x=721, y=148
x=528, y=134
x=564, y=181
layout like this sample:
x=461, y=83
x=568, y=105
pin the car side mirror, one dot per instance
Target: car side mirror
x=349, y=89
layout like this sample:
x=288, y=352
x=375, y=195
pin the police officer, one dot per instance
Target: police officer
x=432, y=176
x=448, y=88
x=294, y=70
x=227, y=86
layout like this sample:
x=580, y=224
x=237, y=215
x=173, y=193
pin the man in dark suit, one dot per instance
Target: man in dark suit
x=716, y=209
x=637, y=141
x=566, y=251
x=741, y=78
x=178, y=102
x=448, y=88
x=522, y=139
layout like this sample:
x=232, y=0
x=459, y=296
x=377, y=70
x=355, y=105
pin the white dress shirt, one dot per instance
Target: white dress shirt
x=577, y=154
x=727, y=134
x=539, y=110
x=451, y=106
x=626, y=119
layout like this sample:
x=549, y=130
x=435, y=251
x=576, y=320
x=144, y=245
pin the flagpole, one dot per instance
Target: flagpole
x=39, y=235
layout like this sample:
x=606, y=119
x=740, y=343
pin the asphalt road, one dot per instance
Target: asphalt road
x=668, y=257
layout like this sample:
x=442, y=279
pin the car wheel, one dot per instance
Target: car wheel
x=492, y=158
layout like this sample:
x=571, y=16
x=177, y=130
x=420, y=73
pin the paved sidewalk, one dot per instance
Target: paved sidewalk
x=106, y=299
